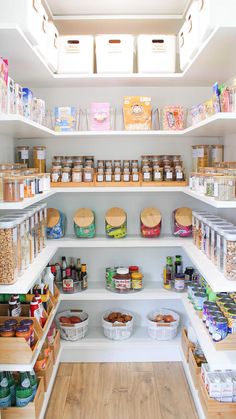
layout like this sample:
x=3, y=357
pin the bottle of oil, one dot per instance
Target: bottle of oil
x=168, y=273
x=84, y=277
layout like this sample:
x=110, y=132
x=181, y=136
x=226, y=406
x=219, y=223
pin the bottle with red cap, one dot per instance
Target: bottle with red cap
x=37, y=297
x=35, y=310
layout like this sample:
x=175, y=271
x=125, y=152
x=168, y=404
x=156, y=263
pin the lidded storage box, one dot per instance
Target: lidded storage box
x=156, y=53
x=8, y=251
x=150, y=220
x=84, y=223
x=27, y=14
x=76, y=54
x=213, y=13
x=42, y=45
x=52, y=46
x=115, y=53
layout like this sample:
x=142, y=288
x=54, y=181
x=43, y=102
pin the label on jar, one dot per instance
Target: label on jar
x=225, y=246
x=169, y=175
x=99, y=178
x=218, y=240
x=24, y=154
x=32, y=185
x=117, y=177
x=135, y=177
x=179, y=284
x=65, y=177
x=146, y=175
x=216, y=189
x=14, y=234
x=40, y=185
x=27, y=225
x=41, y=154
x=87, y=176
x=200, y=152
x=22, y=229
x=126, y=177
x=41, y=215
x=195, y=153
x=32, y=222
x=55, y=177
x=108, y=177
x=22, y=190
x=179, y=175
x=36, y=218
x=157, y=175
x=68, y=285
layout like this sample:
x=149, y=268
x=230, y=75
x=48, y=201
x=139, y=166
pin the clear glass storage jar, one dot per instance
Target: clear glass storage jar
x=77, y=175
x=13, y=188
x=66, y=174
x=229, y=259
x=213, y=239
x=23, y=155
x=24, y=241
x=205, y=245
x=56, y=174
x=39, y=157
x=8, y=251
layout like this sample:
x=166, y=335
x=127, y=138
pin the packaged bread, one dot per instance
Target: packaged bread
x=137, y=113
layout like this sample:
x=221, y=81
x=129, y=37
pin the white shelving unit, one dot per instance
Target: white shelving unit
x=23, y=128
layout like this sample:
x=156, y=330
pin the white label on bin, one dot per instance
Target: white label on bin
x=21, y=190
x=14, y=234
x=41, y=154
x=158, y=47
x=72, y=48
x=24, y=154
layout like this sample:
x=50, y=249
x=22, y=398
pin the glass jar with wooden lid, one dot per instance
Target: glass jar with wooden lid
x=150, y=222
x=84, y=223
x=13, y=188
x=39, y=157
x=116, y=223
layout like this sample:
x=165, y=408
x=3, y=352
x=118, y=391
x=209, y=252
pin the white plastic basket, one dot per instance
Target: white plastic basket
x=115, y=53
x=117, y=331
x=162, y=331
x=76, y=54
x=156, y=53
x=75, y=331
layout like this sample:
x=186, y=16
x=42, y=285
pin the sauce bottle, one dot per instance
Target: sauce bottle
x=35, y=310
x=178, y=264
x=12, y=307
x=84, y=277
x=168, y=273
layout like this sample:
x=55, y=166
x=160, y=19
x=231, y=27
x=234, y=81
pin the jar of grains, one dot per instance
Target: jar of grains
x=8, y=251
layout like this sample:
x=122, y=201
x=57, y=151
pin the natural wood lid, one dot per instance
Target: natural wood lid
x=83, y=217
x=53, y=217
x=115, y=217
x=183, y=216
x=150, y=217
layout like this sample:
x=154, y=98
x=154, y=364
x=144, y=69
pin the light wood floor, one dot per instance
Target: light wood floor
x=121, y=391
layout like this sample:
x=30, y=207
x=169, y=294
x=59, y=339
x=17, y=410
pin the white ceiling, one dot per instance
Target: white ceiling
x=95, y=7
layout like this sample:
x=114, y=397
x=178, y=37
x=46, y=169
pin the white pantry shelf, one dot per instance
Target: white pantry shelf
x=26, y=202
x=22, y=128
x=50, y=387
x=209, y=200
x=30, y=69
x=96, y=291
x=28, y=279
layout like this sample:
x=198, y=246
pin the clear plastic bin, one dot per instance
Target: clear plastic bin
x=229, y=252
x=8, y=251
x=220, y=230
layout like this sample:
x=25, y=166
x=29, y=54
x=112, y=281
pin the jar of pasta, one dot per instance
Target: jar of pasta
x=39, y=155
x=8, y=251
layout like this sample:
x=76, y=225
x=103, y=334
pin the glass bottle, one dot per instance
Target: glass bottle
x=12, y=387
x=5, y=394
x=63, y=267
x=23, y=390
x=33, y=382
x=84, y=277
x=178, y=264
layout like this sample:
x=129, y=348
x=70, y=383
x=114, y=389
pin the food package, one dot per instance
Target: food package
x=137, y=113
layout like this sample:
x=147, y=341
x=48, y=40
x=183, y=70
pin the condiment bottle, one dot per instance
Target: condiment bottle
x=48, y=279
x=38, y=298
x=35, y=310
x=84, y=277
x=168, y=273
x=12, y=307
x=63, y=267
x=178, y=264
x=23, y=390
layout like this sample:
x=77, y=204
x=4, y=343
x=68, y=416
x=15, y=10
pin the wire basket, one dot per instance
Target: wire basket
x=162, y=331
x=117, y=331
x=75, y=331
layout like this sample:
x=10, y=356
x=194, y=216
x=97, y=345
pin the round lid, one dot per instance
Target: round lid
x=22, y=328
x=53, y=217
x=150, y=217
x=115, y=217
x=183, y=216
x=83, y=217
x=122, y=271
x=26, y=322
x=6, y=328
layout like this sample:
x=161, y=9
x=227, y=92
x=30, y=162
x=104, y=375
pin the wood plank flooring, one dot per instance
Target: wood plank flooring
x=121, y=391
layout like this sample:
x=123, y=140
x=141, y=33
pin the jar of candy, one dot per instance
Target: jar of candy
x=84, y=223
x=182, y=222
x=116, y=223
x=150, y=222
x=56, y=221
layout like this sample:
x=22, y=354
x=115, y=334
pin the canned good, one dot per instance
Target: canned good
x=211, y=313
x=206, y=306
x=232, y=321
x=219, y=329
x=189, y=271
x=110, y=273
x=199, y=299
x=223, y=300
x=228, y=307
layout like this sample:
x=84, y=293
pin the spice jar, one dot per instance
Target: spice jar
x=66, y=174
x=179, y=173
x=13, y=188
x=158, y=174
x=126, y=176
x=108, y=176
x=39, y=156
x=135, y=176
x=150, y=222
x=117, y=176
x=100, y=176
x=23, y=155
x=84, y=223
x=225, y=188
x=182, y=222
x=116, y=223
x=8, y=251
x=146, y=174
x=179, y=282
x=168, y=174
x=56, y=174
x=88, y=174
x=77, y=175
x=55, y=224
x=136, y=281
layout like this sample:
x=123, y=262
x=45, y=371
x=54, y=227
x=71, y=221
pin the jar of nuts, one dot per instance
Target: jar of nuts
x=8, y=251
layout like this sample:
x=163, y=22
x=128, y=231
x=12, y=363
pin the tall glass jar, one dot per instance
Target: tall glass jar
x=23, y=154
x=225, y=188
x=13, y=189
x=39, y=157
x=23, y=234
x=229, y=260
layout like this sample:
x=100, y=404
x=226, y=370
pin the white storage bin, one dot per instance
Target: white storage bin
x=52, y=46
x=160, y=331
x=76, y=54
x=117, y=331
x=213, y=13
x=193, y=29
x=183, y=47
x=75, y=331
x=25, y=13
x=42, y=45
x=156, y=53
x=115, y=53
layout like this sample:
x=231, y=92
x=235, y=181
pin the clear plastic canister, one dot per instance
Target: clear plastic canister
x=206, y=232
x=8, y=251
x=213, y=239
x=229, y=252
x=220, y=229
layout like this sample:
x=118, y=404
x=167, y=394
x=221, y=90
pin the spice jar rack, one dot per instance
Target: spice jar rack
x=118, y=184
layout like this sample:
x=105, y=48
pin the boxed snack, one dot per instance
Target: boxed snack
x=137, y=113
x=100, y=117
x=27, y=102
x=65, y=119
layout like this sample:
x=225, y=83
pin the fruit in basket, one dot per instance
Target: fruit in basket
x=75, y=319
x=65, y=320
x=168, y=318
x=118, y=317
